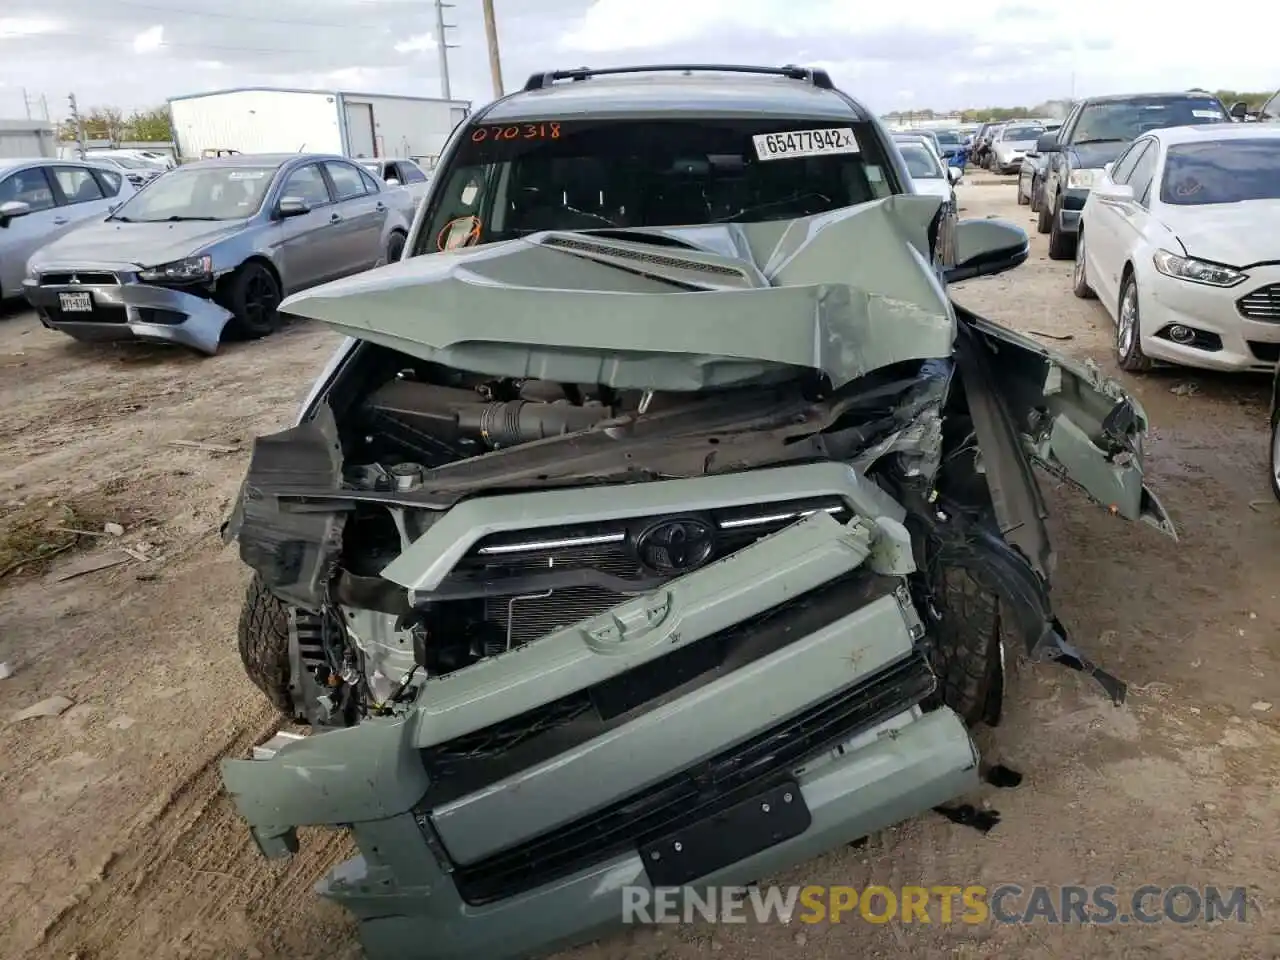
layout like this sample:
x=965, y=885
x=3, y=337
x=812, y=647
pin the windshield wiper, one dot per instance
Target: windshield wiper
x=177, y=218
x=1077, y=143
x=121, y=219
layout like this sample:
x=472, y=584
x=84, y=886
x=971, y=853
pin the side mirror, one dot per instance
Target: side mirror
x=1113, y=192
x=1239, y=110
x=293, y=207
x=11, y=209
x=1048, y=143
x=987, y=247
x=954, y=174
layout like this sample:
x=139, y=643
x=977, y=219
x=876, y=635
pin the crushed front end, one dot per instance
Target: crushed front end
x=566, y=618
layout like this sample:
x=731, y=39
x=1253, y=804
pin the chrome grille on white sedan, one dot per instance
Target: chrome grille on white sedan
x=1263, y=304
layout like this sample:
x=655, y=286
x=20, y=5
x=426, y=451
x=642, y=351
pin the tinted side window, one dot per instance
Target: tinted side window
x=409, y=173
x=77, y=184
x=307, y=183
x=1123, y=169
x=370, y=181
x=347, y=181
x=109, y=181
x=1143, y=174
x=28, y=186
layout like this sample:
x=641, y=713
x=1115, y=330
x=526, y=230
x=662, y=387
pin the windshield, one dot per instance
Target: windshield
x=511, y=180
x=131, y=163
x=200, y=193
x=1022, y=133
x=1122, y=120
x=921, y=163
x=949, y=137
x=1222, y=171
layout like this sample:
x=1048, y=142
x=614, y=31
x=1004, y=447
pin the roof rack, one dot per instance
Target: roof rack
x=819, y=78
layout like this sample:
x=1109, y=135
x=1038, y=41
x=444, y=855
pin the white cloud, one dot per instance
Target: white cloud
x=149, y=40
x=13, y=27
x=416, y=44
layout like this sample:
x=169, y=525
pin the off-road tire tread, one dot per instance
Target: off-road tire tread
x=263, y=636
x=966, y=649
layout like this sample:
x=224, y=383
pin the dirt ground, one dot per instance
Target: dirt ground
x=117, y=842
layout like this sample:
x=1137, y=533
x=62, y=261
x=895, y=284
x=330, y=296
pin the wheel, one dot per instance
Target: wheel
x=1062, y=245
x=395, y=247
x=1079, y=277
x=263, y=636
x=252, y=294
x=966, y=652
x=1129, y=329
x=1034, y=199
x=1045, y=218
x=1023, y=200
x=1275, y=453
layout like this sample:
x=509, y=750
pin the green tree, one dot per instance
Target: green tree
x=104, y=123
x=150, y=124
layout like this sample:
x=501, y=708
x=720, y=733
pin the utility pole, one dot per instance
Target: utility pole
x=79, y=125
x=491, y=33
x=444, y=46
x=26, y=102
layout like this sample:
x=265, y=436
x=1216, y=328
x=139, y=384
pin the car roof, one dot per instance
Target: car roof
x=1211, y=132
x=659, y=92
x=259, y=160
x=8, y=164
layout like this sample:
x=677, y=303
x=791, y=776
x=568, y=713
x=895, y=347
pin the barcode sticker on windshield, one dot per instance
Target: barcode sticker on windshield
x=1206, y=114
x=805, y=143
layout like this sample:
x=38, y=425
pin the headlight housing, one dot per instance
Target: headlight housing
x=180, y=271
x=1082, y=179
x=1196, y=271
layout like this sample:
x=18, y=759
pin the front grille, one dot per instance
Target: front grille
x=698, y=792
x=606, y=553
x=159, y=315
x=1266, y=352
x=99, y=314
x=1263, y=304
x=99, y=277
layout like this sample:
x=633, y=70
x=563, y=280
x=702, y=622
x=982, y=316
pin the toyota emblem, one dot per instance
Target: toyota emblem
x=677, y=545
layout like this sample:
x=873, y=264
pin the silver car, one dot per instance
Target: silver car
x=41, y=199
x=217, y=244
x=1011, y=145
x=399, y=173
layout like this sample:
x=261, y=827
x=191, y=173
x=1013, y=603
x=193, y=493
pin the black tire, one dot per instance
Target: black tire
x=252, y=294
x=1062, y=245
x=395, y=247
x=263, y=635
x=1046, y=216
x=1079, y=276
x=966, y=649
x=1023, y=200
x=1129, y=348
x=1275, y=453
x=1034, y=199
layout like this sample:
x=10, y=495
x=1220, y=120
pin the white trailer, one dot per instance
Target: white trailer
x=271, y=120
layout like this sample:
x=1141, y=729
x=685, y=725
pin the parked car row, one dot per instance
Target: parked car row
x=207, y=249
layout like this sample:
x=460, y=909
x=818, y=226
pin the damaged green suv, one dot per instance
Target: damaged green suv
x=661, y=520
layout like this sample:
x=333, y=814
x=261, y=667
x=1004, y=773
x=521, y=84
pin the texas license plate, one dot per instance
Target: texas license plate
x=76, y=302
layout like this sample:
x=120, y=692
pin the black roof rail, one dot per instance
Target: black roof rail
x=819, y=78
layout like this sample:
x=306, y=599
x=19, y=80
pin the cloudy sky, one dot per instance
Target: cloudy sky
x=926, y=53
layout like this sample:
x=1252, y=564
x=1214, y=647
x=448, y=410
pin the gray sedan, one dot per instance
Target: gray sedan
x=217, y=244
x=41, y=199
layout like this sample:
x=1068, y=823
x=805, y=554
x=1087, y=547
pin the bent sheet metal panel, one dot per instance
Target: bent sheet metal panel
x=644, y=751
x=849, y=291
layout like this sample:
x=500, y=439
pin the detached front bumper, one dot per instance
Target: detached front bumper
x=121, y=308
x=529, y=850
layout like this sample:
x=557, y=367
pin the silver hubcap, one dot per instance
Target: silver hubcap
x=1128, y=320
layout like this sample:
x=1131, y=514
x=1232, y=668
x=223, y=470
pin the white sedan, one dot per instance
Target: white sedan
x=1179, y=242
x=928, y=173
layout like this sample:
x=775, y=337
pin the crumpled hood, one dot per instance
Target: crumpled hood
x=843, y=292
x=1237, y=234
x=143, y=244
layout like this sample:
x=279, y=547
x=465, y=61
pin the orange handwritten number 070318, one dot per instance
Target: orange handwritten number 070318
x=528, y=131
